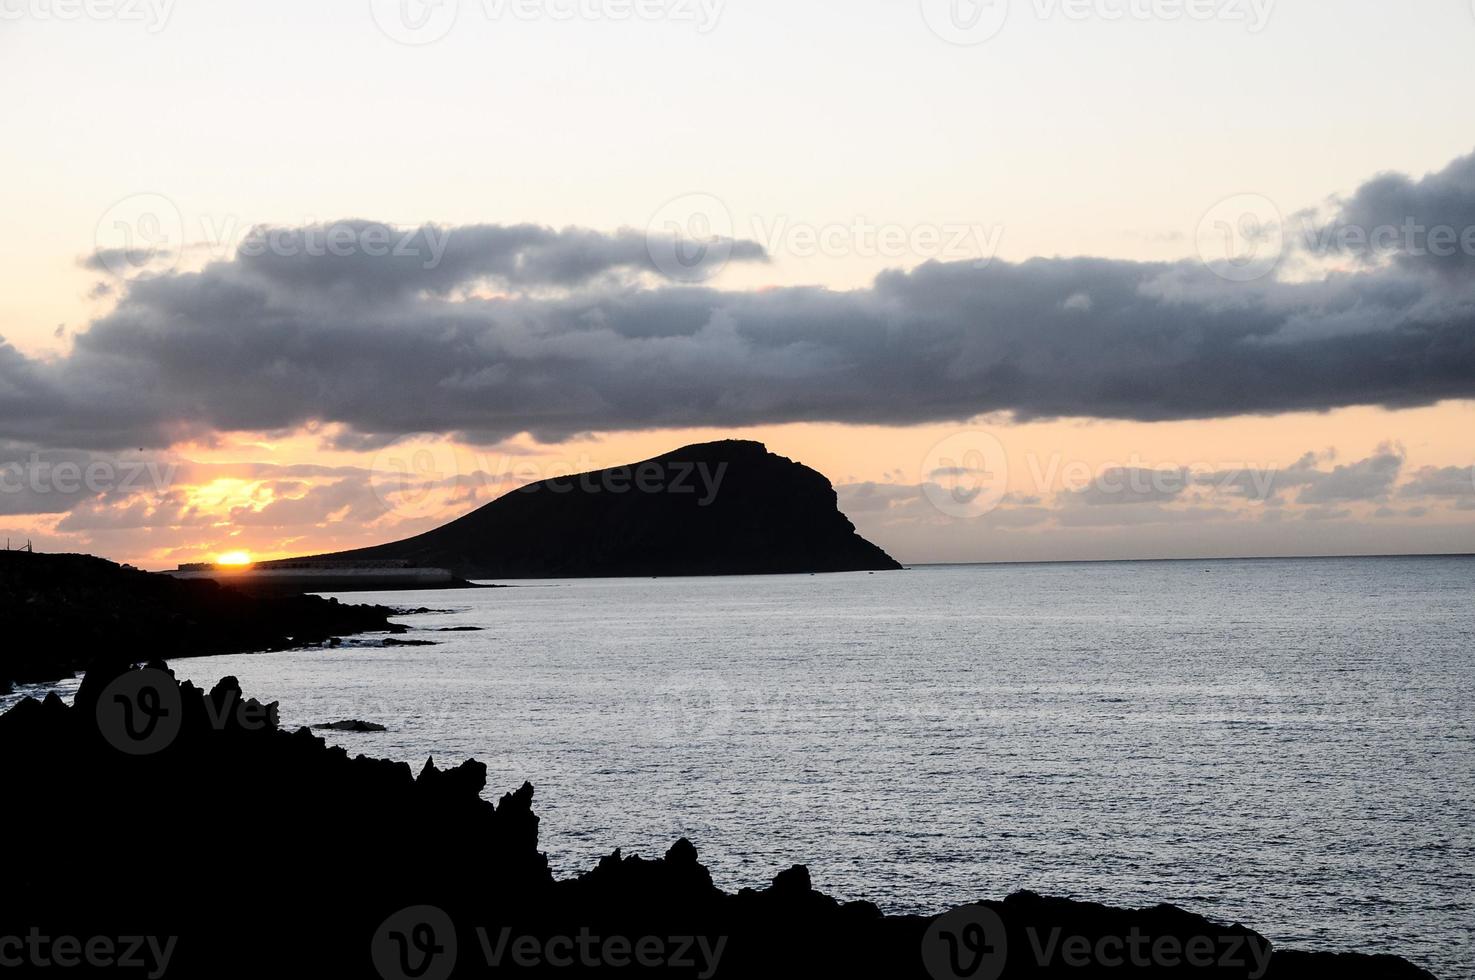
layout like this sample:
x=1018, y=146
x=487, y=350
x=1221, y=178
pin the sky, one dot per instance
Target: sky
x=1027, y=280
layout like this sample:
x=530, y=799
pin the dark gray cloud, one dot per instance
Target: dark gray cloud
x=229, y=349
x=109, y=260
x=365, y=258
x=1429, y=221
x=55, y=481
x=581, y=337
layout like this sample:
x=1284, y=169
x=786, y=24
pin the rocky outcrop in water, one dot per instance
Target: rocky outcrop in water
x=57, y=612
x=350, y=725
x=189, y=821
x=718, y=508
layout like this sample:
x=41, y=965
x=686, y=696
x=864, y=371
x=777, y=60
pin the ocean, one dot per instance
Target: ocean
x=1289, y=744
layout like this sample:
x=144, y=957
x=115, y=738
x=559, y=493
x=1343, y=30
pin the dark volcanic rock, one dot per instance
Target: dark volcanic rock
x=350, y=726
x=209, y=827
x=59, y=612
x=719, y=508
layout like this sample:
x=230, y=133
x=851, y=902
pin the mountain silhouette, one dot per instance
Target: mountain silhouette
x=717, y=508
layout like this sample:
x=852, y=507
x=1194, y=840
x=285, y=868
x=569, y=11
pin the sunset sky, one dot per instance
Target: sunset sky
x=1070, y=282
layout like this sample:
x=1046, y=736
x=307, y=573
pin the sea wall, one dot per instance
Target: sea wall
x=324, y=579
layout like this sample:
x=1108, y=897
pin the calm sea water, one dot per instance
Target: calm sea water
x=1290, y=744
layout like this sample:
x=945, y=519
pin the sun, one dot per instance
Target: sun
x=233, y=558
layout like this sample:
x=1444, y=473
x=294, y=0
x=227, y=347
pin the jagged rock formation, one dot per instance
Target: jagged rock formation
x=243, y=850
x=349, y=725
x=59, y=611
x=718, y=508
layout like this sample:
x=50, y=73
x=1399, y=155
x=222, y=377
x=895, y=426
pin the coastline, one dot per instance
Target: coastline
x=468, y=869
x=64, y=611
x=804, y=852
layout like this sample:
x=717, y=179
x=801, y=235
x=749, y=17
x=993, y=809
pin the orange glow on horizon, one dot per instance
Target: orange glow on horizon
x=251, y=500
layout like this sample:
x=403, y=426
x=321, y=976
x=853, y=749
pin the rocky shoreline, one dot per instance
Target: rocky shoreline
x=58, y=611
x=190, y=821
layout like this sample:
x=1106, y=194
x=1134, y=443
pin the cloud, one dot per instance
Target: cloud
x=366, y=258
x=98, y=514
x=1385, y=512
x=1263, y=485
x=909, y=504
x=353, y=501
x=1124, y=485
x=488, y=331
x=108, y=260
x=875, y=498
x=1368, y=479
x=1426, y=222
x=1141, y=496
x=1325, y=514
x=52, y=481
x=1144, y=513
x=1446, y=481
